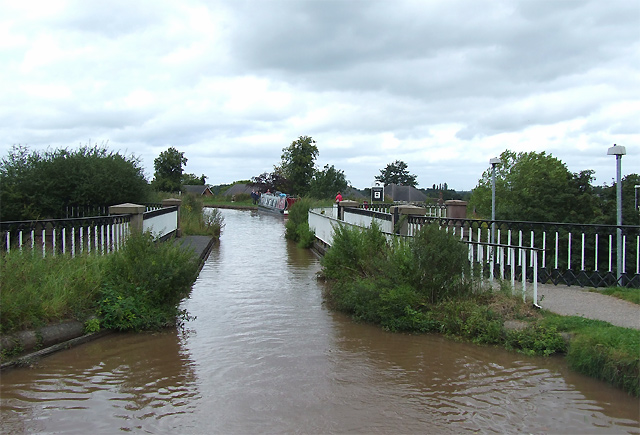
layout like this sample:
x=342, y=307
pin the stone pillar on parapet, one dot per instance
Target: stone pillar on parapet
x=400, y=214
x=456, y=209
x=135, y=210
x=343, y=204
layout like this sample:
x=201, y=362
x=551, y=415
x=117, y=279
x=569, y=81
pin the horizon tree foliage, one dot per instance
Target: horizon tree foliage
x=194, y=180
x=630, y=216
x=298, y=164
x=271, y=181
x=326, y=182
x=41, y=185
x=168, y=170
x=397, y=173
x=535, y=186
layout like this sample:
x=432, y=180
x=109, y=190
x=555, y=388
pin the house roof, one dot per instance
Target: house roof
x=238, y=188
x=404, y=193
x=353, y=193
x=198, y=189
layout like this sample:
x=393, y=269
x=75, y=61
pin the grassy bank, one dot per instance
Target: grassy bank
x=424, y=284
x=136, y=288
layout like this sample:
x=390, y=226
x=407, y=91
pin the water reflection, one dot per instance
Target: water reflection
x=481, y=388
x=116, y=383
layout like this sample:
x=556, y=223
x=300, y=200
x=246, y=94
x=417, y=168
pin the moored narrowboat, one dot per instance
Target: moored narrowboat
x=278, y=203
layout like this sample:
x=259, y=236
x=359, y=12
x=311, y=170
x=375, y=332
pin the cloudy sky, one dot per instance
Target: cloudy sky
x=441, y=85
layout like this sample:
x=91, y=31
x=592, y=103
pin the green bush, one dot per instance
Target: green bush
x=297, y=225
x=165, y=270
x=379, y=281
x=139, y=287
x=40, y=184
x=440, y=267
x=195, y=220
x=145, y=284
x=536, y=340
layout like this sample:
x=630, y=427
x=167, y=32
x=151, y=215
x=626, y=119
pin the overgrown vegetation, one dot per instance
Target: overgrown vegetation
x=422, y=285
x=297, y=226
x=40, y=185
x=136, y=288
x=144, y=284
x=37, y=291
x=195, y=220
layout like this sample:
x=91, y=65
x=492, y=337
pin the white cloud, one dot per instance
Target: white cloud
x=442, y=85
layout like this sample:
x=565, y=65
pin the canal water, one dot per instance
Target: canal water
x=264, y=355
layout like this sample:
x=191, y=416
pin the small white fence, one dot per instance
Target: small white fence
x=76, y=236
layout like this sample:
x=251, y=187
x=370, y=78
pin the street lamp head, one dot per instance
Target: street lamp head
x=616, y=150
x=494, y=161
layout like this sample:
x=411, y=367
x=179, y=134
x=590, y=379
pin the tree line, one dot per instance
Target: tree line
x=530, y=186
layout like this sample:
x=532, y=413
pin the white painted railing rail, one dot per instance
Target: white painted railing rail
x=562, y=253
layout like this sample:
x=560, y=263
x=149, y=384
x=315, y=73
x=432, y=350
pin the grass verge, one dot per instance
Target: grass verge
x=136, y=288
x=627, y=294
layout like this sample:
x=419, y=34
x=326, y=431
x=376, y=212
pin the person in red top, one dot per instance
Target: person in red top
x=338, y=197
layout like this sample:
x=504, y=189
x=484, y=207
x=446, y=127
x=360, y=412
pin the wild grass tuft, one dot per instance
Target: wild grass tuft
x=195, y=220
x=36, y=290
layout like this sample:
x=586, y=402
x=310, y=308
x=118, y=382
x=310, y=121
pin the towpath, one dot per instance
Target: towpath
x=577, y=301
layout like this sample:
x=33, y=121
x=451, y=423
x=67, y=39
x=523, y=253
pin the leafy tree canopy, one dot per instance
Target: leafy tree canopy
x=397, y=173
x=298, y=164
x=536, y=186
x=630, y=216
x=271, y=181
x=39, y=185
x=168, y=166
x=192, y=179
x=327, y=182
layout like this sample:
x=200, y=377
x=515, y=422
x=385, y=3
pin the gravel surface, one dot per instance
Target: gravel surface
x=577, y=301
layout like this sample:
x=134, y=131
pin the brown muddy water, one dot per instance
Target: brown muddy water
x=264, y=355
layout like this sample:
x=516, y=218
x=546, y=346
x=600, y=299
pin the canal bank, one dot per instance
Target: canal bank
x=28, y=346
x=265, y=355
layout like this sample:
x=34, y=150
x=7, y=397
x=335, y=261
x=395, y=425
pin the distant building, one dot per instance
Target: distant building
x=199, y=190
x=238, y=189
x=404, y=193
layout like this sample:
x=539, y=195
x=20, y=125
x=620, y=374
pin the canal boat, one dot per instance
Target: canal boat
x=277, y=203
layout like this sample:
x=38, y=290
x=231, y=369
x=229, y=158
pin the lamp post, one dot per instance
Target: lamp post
x=494, y=161
x=618, y=151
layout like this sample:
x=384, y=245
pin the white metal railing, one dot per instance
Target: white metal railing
x=74, y=236
x=572, y=254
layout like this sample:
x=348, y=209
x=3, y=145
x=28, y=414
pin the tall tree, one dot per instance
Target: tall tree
x=535, y=187
x=327, y=182
x=397, y=173
x=169, y=165
x=297, y=165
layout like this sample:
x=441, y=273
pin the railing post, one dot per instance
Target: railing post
x=342, y=205
x=456, y=209
x=171, y=202
x=404, y=210
x=136, y=211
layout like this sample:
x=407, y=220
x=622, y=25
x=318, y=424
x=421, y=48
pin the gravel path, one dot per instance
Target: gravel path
x=577, y=301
